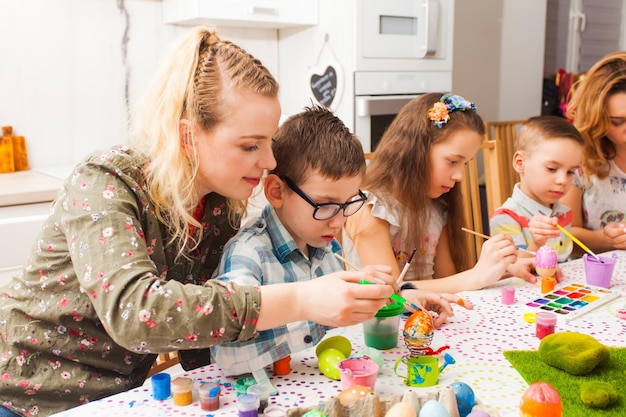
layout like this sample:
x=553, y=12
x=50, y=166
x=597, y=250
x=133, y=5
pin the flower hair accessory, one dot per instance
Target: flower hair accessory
x=440, y=112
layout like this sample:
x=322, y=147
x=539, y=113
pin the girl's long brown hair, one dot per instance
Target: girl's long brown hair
x=400, y=171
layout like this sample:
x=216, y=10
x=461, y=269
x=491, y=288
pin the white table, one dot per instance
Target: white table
x=476, y=339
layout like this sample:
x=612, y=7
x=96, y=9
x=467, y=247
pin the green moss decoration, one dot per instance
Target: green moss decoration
x=598, y=394
x=574, y=353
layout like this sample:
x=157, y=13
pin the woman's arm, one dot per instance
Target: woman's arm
x=333, y=300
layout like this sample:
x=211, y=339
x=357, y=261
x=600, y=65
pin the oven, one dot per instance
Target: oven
x=380, y=96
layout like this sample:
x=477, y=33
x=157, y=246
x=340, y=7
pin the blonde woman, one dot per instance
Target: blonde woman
x=120, y=270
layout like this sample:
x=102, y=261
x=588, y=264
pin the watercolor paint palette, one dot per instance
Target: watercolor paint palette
x=573, y=300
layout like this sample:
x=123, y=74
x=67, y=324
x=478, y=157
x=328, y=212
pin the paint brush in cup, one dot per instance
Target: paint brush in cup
x=575, y=239
x=489, y=237
x=395, y=297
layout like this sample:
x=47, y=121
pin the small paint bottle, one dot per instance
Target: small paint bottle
x=209, y=394
x=508, y=295
x=547, y=284
x=262, y=392
x=182, y=391
x=161, y=386
x=248, y=405
x=545, y=323
x=282, y=366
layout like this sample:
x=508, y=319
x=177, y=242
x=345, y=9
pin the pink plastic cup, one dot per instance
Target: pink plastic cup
x=358, y=371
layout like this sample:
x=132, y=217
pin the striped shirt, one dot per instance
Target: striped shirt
x=515, y=214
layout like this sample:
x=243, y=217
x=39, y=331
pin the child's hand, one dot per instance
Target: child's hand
x=542, y=228
x=615, y=235
x=440, y=303
x=523, y=269
x=497, y=254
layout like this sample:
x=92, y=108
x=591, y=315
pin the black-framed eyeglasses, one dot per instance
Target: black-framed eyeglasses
x=325, y=211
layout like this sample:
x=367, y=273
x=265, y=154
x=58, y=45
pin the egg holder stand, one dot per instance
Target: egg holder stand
x=372, y=405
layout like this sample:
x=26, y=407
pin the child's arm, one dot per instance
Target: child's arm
x=497, y=254
x=371, y=239
x=444, y=266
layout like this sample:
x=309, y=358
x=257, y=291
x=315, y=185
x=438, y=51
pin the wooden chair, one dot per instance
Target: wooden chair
x=163, y=361
x=470, y=188
x=504, y=133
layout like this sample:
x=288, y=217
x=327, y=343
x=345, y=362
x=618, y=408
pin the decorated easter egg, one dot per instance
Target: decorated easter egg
x=401, y=409
x=465, y=398
x=352, y=394
x=433, y=408
x=328, y=361
x=546, y=257
x=541, y=400
x=418, y=329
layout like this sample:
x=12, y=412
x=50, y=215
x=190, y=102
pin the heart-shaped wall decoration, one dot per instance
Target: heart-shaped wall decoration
x=326, y=83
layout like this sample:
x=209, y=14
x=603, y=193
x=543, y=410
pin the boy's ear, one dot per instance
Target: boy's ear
x=274, y=189
x=518, y=162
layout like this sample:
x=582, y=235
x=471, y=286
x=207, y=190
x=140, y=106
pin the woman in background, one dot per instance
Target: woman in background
x=598, y=198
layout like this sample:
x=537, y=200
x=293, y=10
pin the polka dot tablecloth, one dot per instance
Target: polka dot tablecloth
x=476, y=339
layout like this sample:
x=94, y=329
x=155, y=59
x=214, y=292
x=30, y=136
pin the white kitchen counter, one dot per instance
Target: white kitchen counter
x=27, y=187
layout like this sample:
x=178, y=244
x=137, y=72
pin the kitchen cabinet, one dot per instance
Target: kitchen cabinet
x=275, y=14
x=25, y=199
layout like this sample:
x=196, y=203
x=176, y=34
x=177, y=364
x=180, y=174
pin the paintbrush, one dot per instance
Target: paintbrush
x=489, y=237
x=406, y=267
x=575, y=239
x=395, y=297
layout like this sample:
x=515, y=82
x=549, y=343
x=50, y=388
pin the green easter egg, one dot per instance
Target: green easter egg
x=328, y=361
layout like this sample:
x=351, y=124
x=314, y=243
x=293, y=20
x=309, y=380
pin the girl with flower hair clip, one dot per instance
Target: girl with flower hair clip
x=413, y=202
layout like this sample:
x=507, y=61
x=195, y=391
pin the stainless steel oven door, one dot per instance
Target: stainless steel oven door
x=373, y=114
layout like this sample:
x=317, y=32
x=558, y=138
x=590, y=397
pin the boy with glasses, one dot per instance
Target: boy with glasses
x=314, y=187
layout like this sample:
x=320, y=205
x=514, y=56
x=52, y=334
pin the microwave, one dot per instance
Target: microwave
x=399, y=29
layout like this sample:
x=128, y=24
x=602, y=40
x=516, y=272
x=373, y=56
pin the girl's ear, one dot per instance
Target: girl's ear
x=274, y=189
x=518, y=162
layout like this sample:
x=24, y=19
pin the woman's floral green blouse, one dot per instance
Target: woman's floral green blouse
x=100, y=294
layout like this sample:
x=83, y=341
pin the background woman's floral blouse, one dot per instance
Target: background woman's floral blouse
x=100, y=293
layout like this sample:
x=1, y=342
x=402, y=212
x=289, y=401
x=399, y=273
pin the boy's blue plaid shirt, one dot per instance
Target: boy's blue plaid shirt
x=264, y=253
